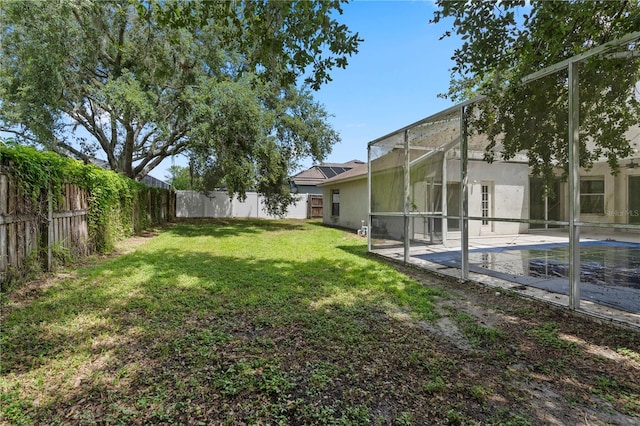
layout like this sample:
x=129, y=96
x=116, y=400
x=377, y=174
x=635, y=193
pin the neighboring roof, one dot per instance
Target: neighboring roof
x=155, y=182
x=147, y=180
x=357, y=172
x=310, y=176
x=331, y=171
x=349, y=164
x=322, y=172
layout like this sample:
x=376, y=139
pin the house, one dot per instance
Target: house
x=605, y=197
x=423, y=184
x=345, y=198
x=307, y=181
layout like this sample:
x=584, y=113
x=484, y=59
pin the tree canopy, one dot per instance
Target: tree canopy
x=504, y=41
x=228, y=82
x=179, y=177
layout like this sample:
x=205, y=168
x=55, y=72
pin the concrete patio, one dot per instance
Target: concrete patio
x=497, y=261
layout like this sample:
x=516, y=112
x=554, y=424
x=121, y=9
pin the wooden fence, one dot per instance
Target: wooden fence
x=315, y=206
x=28, y=229
x=36, y=233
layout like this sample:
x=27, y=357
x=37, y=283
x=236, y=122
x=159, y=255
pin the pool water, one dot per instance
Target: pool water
x=604, y=265
x=609, y=270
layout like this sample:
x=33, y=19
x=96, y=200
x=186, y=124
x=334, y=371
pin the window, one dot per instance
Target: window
x=485, y=203
x=335, y=202
x=592, y=195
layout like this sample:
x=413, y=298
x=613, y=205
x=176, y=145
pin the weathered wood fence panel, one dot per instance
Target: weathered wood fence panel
x=36, y=233
x=315, y=206
x=19, y=228
x=4, y=247
x=69, y=221
x=27, y=226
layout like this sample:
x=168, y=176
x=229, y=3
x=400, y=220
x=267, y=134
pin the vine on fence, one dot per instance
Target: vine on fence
x=112, y=197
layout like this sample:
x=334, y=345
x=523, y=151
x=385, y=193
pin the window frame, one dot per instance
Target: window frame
x=485, y=202
x=335, y=206
x=591, y=195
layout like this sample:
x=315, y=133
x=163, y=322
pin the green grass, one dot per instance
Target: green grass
x=547, y=334
x=476, y=333
x=279, y=322
x=253, y=318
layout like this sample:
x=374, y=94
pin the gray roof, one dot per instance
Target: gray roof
x=358, y=172
x=322, y=172
x=155, y=182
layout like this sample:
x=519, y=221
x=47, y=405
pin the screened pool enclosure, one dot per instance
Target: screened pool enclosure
x=451, y=193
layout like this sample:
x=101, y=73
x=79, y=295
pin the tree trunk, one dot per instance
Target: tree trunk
x=126, y=165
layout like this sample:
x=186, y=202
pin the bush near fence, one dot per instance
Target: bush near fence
x=55, y=208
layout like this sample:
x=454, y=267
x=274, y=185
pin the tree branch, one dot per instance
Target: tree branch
x=89, y=123
x=81, y=155
x=149, y=162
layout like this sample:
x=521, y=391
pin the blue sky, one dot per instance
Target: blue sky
x=395, y=78
x=393, y=81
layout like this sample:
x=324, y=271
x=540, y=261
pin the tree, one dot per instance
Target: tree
x=146, y=80
x=265, y=144
x=504, y=41
x=179, y=177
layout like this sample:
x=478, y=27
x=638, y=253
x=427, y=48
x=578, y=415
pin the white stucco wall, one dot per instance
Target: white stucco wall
x=353, y=204
x=510, y=191
x=193, y=204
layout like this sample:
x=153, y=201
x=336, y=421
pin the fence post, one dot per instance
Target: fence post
x=49, y=230
x=4, y=209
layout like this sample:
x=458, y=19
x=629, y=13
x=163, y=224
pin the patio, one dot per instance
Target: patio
x=514, y=262
x=459, y=193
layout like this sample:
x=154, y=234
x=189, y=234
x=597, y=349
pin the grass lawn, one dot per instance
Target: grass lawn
x=289, y=322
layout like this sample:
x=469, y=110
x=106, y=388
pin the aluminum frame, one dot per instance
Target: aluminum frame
x=572, y=66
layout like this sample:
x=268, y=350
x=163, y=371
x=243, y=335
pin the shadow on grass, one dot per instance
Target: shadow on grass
x=143, y=325
x=161, y=336
x=222, y=228
x=360, y=251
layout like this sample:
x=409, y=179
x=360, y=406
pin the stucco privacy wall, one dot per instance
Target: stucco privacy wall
x=353, y=203
x=193, y=204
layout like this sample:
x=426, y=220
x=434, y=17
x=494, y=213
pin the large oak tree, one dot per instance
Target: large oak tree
x=228, y=82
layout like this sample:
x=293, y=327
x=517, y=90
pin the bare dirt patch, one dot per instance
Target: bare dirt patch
x=130, y=244
x=564, y=364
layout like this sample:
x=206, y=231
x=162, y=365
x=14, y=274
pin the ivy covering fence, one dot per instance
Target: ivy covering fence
x=53, y=208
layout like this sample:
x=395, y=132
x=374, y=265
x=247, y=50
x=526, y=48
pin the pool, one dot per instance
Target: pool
x=609, y=270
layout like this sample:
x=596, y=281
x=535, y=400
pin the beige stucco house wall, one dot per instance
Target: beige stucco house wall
x=508, y=184
x=349, y=190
